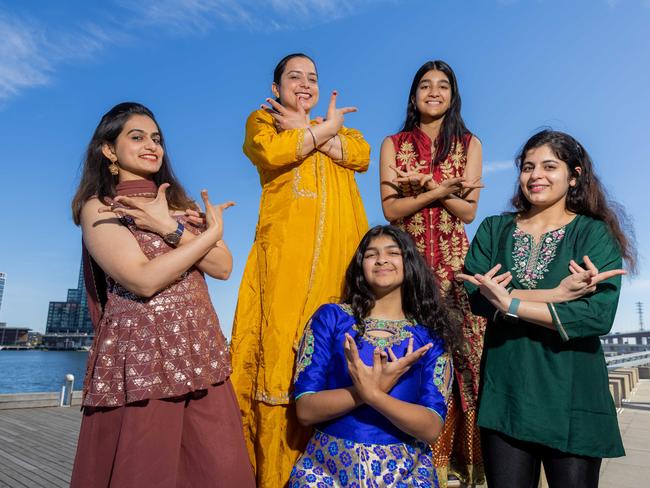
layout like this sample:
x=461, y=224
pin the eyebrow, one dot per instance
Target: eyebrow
x=311, y=73
x=143, y=132
x=374, y=248
x=545, y=161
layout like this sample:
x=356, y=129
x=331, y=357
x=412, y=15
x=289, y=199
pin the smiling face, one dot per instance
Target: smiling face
x=298, y=85
x=433, y=95
x=383, y=267
x=138, y=149
x=544, y=178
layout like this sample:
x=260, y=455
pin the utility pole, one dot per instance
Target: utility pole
x=639, y=310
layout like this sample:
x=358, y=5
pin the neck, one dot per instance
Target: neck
x=555, y=214
x=388, y=305
x=431, y=126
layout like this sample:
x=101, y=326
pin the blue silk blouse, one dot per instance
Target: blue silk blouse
x=321, y=365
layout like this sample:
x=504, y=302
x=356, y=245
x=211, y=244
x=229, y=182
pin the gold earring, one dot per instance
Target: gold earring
x=114, y=168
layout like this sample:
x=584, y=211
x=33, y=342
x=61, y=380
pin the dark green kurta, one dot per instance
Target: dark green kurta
x=538, y=384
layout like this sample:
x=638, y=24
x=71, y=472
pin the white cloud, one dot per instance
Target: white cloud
x=30, y=53
x=497, y=166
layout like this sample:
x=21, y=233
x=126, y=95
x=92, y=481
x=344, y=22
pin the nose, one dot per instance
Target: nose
x=150, y=144
x=537, y=172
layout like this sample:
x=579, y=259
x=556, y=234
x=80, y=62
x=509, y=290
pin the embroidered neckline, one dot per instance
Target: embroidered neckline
x=531, y=260
x=397, y=328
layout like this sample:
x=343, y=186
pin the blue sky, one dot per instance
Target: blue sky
x=203, y=65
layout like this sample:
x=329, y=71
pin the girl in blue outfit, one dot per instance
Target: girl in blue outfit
x=373, y=372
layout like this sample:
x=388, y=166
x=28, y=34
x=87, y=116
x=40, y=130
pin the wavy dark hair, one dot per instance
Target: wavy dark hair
x=97, y=181
x=587, y=197
x=421, y=300
x=453, y=127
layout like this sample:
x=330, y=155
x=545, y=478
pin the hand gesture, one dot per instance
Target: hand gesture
x=195, y=217
x=152, y=216
x=414, y=178
x=392, y=370
x=491, y=287
x=286, y=119
x=459, y=186
x=214, y=215
x=583, y=281
x=336, y=116
x=366, y=379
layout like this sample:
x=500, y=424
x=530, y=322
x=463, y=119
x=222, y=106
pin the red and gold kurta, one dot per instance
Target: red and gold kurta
x=440, y=237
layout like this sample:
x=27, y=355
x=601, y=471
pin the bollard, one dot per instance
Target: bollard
x=66, y=391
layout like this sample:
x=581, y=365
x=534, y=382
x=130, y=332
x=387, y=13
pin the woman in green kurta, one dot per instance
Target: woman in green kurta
x=544, y=388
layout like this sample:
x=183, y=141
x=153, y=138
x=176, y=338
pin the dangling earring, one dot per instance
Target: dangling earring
x=113, y=168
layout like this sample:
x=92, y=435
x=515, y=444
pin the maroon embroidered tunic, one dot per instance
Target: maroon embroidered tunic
x=440, y=237
x=157, y=347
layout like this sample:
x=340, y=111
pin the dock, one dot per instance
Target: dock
x=37, y=444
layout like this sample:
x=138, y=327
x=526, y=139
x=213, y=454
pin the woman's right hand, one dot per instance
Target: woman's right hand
x=583, y=281
x=286, y=119
x=214, y=216
x=392, y=370
x=336, y=116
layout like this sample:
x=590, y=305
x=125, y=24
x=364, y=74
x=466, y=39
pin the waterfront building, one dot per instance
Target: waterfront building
x=68, y=323
x=13, y=336
x=3, y=279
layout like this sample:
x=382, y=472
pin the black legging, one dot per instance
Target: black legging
x=510, y=463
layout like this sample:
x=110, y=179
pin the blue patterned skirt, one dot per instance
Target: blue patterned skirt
x=331, y=461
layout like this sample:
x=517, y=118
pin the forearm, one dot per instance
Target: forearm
x=413, y=419
x=314, y=408
x=216, y=263
x=540, y=295
x=148, y=278
x=465, y=210
x=396, y=207
x=534, y=312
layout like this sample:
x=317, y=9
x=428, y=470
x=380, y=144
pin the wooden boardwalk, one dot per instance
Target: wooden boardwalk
x=37, y=445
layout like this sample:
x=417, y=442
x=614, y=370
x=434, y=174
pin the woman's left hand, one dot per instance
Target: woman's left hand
x=491, y=286
x=152, y=216
x=366, y=379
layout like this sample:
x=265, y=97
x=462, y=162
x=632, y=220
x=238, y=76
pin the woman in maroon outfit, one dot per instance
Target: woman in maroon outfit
x=158, y=406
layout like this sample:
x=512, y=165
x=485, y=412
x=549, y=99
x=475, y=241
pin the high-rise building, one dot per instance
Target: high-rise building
x=71, y=316
x=3, y=278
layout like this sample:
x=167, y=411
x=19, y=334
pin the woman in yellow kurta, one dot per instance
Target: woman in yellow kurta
x=310, y=222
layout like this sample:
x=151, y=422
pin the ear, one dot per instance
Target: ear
x=109, y=151
x=275, y=88
x=574, y=181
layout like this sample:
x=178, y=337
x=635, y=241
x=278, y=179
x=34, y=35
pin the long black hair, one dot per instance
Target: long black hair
x=421, y=300
x=453, y=127
x=587, y=197
x=96, y=179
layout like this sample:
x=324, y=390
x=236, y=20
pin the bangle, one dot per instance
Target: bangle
x=313, y=137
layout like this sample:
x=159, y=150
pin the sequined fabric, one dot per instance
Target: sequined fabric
x=158, y=347
x=331, y=461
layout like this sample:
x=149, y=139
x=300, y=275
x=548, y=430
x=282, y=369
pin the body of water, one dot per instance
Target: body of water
x=38, y=371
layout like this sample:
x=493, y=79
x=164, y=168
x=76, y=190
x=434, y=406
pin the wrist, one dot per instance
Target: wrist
x=167, y=227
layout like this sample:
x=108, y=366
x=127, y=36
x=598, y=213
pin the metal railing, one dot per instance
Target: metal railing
x=628, y=360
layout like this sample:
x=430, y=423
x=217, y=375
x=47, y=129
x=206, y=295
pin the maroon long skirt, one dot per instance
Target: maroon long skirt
x=191, y=441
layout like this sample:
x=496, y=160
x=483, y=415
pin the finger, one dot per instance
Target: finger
x=409, y=348
x=466, y=277
x=501, y=277
x=467, y=186
x=331, y=107
x=605, y=275
x=127, y=201
x=348, y=110
x=196, y=221
x=392, y=354
x=493, y=271
x=575, y=267
x=354, y=352
x=190, y=212
x=590, y=266
x=225, y=205
x=105, y=209
x=384, y=358
x=507, y=281
x=318, y=120
x=418, y=353
x=162, y=192
x=276, y=106
x=376, y=358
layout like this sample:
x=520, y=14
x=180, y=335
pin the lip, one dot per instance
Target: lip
x=536, y=188
x=382, y=271
x=149, y=157
x=303, y=95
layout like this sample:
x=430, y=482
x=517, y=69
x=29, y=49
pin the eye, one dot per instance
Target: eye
x=157, y=140
x=136, y=137
x=369, y=255
x=526, y=168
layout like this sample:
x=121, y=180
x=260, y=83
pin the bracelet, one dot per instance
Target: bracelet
x=313, y=137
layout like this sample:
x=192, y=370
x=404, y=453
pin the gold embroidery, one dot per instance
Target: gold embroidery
x=301, y=139
x=297, y=191
x=344, y=147
x=321, y=220
x=416, y=225
x=262, y=396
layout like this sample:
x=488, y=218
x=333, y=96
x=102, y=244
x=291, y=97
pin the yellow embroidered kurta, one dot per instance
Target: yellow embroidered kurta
x=311, y=219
